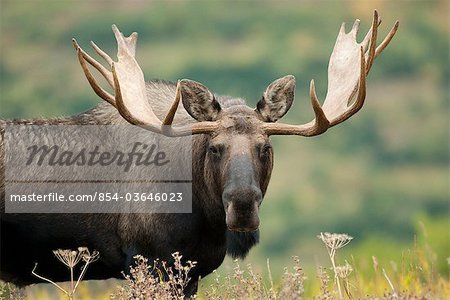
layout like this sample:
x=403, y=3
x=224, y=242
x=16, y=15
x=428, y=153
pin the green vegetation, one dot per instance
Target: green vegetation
x=414, y=276
x=375, y=177
x=414, y=279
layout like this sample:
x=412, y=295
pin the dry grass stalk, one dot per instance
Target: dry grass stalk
x=156, y=281
x=292, y=283
x=248, y=284
x=9, y=291
x=324, y=278
x=71, y=258
x=334, y=242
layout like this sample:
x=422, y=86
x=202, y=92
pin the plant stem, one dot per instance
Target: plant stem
x=71, y=283
x=336, y=277
x=48, y=280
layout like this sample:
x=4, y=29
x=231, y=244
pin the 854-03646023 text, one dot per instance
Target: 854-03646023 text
x=101, y=197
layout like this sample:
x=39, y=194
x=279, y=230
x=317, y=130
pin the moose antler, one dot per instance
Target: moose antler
x=127, y=80
x=350, y=62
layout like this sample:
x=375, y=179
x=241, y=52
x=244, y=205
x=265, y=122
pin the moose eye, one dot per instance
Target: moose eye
x=265, y=150
x=214, y=150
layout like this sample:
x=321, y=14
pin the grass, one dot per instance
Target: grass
x=414, y=277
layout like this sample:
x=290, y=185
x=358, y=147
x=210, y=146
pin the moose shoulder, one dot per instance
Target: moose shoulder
x=232, y=160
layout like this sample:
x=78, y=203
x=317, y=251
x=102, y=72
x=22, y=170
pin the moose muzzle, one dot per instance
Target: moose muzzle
x=242, y=208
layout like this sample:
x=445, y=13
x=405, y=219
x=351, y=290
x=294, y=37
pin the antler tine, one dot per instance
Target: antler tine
x=387, y=39
x=99, y=67
x=366, y=39
x=347, y=71
x=321, y=122
x=168, y=119
x=373, y=42
x=126, y=45
x=83, y=57
x=102, y=53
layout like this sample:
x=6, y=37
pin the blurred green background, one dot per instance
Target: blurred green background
x=378, y=176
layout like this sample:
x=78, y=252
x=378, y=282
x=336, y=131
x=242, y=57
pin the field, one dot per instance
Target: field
x=382, y=177
x=415, y=276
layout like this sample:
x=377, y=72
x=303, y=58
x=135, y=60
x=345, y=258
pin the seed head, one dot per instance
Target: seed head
x=87, y=256
x=335, y=241
x=68, y=257
x=344, y=271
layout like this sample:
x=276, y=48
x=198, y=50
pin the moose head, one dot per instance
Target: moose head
x=237, y=155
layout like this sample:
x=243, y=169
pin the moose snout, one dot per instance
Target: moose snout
x=242, y=208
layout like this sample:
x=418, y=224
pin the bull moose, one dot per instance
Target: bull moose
x=232, y=160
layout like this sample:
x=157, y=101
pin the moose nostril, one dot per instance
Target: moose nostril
x=258, y=195
x=250, y=193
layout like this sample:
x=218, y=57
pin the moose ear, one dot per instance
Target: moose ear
x=198, y=101
x=277, y=99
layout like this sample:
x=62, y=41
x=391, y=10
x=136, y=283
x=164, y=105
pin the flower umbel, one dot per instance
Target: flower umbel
x=68, y=257
x=71, y=258
x=335, y=241
x=86, y=255
x=344, y=271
